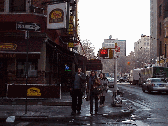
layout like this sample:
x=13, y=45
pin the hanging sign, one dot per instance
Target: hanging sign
x=56, y=16
x=71, y=26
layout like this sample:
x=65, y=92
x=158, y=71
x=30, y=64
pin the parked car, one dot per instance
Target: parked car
x=123, y=79
x=110, y=82
x=155, y=84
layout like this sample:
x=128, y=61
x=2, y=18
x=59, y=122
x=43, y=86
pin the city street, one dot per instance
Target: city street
x=147, y=111
x=150, y=109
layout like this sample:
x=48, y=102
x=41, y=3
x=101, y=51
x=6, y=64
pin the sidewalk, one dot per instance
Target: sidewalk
x=56, y=108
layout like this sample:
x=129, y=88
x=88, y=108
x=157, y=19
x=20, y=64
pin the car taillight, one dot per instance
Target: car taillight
x=153, y=85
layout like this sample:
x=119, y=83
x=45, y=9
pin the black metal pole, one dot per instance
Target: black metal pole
x=27, y=49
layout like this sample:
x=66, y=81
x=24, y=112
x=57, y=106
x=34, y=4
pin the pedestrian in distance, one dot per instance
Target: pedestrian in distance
x=103, y=82
x=77, y=91
x=92, y=87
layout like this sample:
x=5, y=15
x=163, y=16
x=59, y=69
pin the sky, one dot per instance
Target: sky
x=123, y=19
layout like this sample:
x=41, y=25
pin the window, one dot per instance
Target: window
x=32, y=68
x=2, y=5
x=160, y=52
x=160, y=10
x=160, y=28
x=17, y=5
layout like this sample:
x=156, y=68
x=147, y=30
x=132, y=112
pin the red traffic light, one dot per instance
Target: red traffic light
x=128, y=63
x=103, y=52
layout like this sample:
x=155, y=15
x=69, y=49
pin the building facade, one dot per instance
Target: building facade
x=30, y=53
x=110, y=43
x=153, y=30
x=162, y=14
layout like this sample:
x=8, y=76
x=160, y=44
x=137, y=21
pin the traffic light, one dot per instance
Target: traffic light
x=128, y=63
x=111, y=54
x=103, y=52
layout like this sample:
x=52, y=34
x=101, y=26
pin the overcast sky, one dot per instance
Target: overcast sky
x=123, y=19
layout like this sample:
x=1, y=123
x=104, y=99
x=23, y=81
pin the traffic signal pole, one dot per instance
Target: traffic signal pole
x=115, y=75
x=115, y=101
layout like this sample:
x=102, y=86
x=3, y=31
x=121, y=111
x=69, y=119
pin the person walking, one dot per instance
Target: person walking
x=92, y=87
x=103, y=82
x=77, y=91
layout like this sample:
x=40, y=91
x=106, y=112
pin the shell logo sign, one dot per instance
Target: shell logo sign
x=33, y=91
x=56, y=16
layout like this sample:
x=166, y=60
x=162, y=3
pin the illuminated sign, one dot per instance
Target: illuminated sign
x=103, y=52
x=33, y=91
x=8, y=46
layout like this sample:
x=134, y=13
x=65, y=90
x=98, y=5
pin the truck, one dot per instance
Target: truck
x=134, y=76
x=153, y=72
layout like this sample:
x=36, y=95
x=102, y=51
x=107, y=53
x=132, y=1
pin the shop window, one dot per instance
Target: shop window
x=17, y=5
x=2, y=5
x=32, y=68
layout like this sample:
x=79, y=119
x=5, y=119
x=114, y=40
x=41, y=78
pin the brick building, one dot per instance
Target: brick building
x=162, y=48
x=47, y=49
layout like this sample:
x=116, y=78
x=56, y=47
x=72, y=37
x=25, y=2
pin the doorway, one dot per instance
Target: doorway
x=3, y=77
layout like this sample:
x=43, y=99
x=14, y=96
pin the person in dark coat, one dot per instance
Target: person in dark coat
x=92, y=86
x=77, y=91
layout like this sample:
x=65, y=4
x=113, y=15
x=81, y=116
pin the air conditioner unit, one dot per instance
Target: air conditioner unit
x=32, y=73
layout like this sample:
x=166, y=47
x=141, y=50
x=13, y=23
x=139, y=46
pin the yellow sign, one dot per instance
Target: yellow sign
x=71, y=26
x=70, y=45
x=33, y=91
x=56, y=16
x=8, y=46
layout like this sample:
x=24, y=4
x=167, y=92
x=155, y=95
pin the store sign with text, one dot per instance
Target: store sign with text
x=56, y=16
x=8, y=46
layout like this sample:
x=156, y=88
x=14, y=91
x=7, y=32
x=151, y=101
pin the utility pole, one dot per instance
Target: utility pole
x=116, y=101
x=115, y=76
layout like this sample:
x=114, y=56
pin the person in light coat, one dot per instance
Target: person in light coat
x=103, y=82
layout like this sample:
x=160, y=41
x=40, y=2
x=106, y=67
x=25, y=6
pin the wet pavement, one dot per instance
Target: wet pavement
x=138, y=109
x=58, y=111
x=150, y=109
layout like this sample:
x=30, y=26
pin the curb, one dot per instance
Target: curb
x=120, y=114
x=67, y=103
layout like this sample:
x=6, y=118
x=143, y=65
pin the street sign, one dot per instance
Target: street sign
x=28, y=26
x=117, y=49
